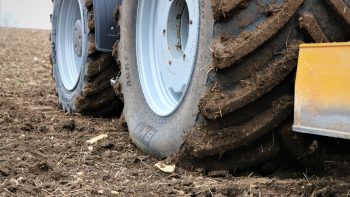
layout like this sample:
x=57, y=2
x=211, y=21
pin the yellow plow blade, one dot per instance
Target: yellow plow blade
x=322, y=92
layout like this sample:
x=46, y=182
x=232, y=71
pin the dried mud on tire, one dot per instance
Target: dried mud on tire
x=43, y=151
x=250, y=87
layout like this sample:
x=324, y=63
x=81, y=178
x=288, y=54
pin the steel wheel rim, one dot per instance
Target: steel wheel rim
x=167, y=35
x=69, y=60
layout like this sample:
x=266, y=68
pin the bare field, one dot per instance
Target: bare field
x=43, y=151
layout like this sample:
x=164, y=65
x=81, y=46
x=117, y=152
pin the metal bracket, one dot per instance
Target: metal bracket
x=107, y=30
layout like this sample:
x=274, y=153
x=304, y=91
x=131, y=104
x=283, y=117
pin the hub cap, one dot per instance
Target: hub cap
x=167, y=34
x=69, y=41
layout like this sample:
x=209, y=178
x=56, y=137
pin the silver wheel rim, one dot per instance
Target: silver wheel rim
x=167, y=34
x=70, y=40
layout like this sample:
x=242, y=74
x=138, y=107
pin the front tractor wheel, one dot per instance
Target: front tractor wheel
x=81, y=73
x=215, y=78
x=160, y=78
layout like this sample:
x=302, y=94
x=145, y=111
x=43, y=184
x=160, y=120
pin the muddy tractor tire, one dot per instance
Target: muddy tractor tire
x=81, y=73
x=231, y=110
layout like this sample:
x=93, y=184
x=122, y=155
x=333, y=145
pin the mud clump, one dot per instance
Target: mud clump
x=309, y=23
x=217, y=103
x=27, y=127
x=69, y=125
x=223, y=9
x=5, y=171
x=228, y=53
x=41, y=167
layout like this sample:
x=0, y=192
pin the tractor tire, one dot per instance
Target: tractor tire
x=89, y=91
x=241, y=94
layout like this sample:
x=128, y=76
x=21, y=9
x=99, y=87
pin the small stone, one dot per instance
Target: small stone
x=90, y=148
x=100, y=191
x=114, y=192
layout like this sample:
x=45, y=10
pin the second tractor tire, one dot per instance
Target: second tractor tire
x=92, y=93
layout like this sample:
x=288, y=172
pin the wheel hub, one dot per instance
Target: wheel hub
x=77, y=38
x=177, y=29
x=167, y=34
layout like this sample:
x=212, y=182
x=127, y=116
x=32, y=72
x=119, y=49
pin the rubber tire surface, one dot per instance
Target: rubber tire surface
x=93, y=94
x=241, y=93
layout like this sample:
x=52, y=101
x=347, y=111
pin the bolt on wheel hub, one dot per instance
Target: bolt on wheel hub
x=167, y=34
x=77, y=38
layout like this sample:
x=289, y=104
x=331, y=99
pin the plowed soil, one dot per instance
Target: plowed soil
x=43, y=151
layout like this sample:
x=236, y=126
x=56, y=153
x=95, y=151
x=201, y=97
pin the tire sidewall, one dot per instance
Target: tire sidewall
x=161, y=136
x=67, y=97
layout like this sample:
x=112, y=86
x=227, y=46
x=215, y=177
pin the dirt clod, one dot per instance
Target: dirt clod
x=69, y=125
x=41, y=167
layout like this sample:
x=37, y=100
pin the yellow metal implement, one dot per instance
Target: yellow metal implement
x=322, y=92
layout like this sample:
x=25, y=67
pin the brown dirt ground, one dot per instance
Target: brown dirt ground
x=43, y=151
